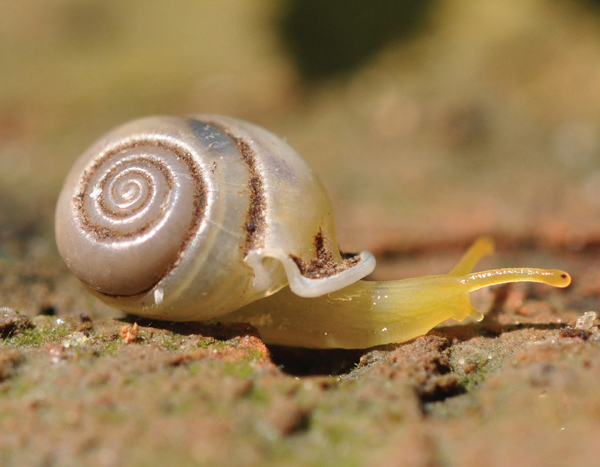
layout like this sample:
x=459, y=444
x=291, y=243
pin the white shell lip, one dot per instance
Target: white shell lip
x=301, y=285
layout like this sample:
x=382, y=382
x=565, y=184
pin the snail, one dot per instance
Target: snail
x=212, y=218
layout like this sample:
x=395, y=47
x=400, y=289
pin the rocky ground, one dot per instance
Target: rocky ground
x=485, y=122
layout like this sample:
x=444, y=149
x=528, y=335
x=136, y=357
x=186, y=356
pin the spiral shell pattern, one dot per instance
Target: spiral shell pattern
x=129, y=192
x=143, y=194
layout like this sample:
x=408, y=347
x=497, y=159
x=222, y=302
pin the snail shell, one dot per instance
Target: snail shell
x=191, y=218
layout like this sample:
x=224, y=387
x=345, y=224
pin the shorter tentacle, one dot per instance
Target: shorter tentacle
x=483, y=246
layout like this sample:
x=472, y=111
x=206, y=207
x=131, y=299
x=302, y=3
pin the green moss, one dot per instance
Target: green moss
x=171, y=341
x=253, y=355
x=206, y=343
x=258, y=395
x=112, y=347
x=218, y=345
x=239, y=369
x=41, y=334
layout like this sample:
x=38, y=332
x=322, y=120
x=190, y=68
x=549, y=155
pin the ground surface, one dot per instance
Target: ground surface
x=487, y=122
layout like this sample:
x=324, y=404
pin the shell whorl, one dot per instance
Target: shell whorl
x=146, y=194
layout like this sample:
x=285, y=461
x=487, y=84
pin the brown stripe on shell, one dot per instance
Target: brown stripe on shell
x=255, y=224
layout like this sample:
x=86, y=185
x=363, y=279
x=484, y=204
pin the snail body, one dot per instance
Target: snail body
x=204, y=217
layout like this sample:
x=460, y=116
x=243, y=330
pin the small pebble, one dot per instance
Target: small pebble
x=586, y=321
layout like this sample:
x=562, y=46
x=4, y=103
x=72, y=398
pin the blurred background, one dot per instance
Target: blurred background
x=428, y=121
